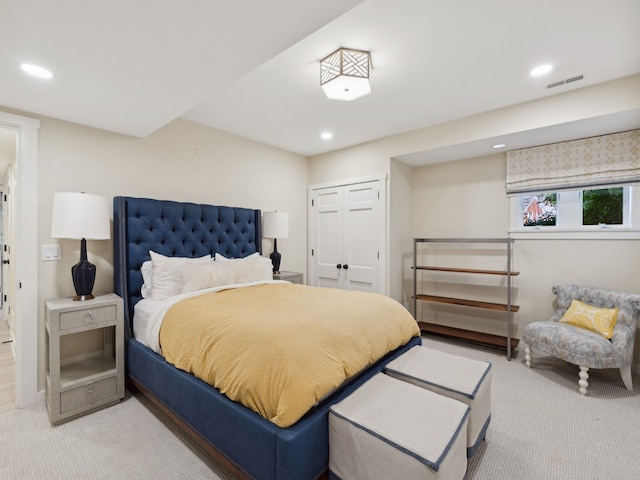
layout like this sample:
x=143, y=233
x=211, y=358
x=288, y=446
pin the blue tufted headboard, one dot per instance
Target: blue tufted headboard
x=178, y=229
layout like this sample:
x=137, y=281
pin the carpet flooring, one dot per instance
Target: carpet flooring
x=541, y=429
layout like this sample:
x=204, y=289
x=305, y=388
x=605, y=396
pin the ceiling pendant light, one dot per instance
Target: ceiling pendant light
x=346, y=74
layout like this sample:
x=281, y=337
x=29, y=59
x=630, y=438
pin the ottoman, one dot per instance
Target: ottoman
x=390, y=429
x=457, y=377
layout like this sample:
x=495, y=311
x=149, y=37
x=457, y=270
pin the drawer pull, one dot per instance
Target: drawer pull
x=91, y=318
x=90, y=387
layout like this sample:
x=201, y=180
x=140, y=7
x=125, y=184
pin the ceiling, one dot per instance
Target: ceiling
x=251, y=67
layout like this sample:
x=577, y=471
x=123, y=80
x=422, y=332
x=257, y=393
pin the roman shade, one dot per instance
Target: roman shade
x=603, y=161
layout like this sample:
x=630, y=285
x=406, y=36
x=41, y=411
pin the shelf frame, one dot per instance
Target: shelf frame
x=507, y=342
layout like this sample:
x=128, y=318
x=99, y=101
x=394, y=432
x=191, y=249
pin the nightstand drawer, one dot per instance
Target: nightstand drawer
x=87, y=317
x=88, y=394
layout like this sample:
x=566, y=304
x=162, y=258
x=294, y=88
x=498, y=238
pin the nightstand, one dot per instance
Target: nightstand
x=293, y=277
x=86, y=381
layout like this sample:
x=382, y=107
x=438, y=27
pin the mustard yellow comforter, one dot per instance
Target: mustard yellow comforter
x=280, y=348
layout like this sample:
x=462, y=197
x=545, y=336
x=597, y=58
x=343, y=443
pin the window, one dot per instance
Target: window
x=575, y=211
x=603, y=207
x=539, y=210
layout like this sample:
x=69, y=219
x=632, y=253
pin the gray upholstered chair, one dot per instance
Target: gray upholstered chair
x=583, y=347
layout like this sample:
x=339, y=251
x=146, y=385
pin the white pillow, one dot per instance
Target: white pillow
x=167, y=280
x=147, y=279
x=198, y=277
x=222, y=258
x=216, y=274
x=253, y=269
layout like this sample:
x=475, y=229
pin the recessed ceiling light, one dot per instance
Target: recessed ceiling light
x=326, y=136
x=500, y=145
x=541, y=70
x=36, y=70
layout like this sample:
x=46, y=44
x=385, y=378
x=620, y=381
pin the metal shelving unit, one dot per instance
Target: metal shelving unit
x=507, y=342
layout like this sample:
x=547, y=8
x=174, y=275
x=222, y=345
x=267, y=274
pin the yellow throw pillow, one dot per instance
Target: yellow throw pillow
x=600, y=320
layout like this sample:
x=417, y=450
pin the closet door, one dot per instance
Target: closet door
x=327, y=247
x=347, y=236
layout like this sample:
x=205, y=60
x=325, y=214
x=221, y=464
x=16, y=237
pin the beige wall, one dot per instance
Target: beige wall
x=183, y=161
x=375, y=157
x=445, y=199
x=466, y=199
x=401, y=210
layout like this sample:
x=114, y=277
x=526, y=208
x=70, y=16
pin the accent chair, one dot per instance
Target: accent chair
x=582, y=346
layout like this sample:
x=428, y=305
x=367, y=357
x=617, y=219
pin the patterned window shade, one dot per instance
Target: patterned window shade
x=608, y=160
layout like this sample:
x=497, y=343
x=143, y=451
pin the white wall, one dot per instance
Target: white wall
x=183, y=161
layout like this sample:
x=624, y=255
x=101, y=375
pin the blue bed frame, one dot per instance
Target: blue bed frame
x=249, y=445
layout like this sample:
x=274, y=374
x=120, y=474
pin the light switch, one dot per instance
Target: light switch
x=51, y=252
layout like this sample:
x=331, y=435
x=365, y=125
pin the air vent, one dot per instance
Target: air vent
x=574, y=79
x=563, y=82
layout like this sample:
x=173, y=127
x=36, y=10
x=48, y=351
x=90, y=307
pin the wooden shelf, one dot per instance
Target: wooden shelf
x=507, y=342
x=468, y=335
x=501, y=307
x=467, y=270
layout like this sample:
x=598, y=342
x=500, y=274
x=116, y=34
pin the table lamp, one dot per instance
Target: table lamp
x=275, y=225
x=81, y=216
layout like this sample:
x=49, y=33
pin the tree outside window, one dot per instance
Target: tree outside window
x=602, y=207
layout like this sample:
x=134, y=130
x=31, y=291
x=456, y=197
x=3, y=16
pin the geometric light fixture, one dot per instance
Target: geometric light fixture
x=346, y=74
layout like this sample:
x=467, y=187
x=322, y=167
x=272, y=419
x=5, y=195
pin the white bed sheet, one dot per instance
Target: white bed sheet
x=149, y=314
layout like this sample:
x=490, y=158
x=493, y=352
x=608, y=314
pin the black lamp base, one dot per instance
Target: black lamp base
x=275, y=257
x=84, y=275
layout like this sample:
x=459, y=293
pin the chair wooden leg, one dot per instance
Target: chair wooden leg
x=584, y=376
x=625, y=372
x=527, y=355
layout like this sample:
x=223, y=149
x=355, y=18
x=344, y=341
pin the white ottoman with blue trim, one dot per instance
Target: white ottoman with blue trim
x=390, y=429
x=454, y=376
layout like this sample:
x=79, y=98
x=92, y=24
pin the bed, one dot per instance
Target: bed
x=251, y=446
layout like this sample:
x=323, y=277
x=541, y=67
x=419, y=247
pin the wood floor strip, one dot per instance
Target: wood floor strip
x=7, y=370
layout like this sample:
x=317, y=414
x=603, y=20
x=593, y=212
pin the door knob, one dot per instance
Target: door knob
x=345, y=266
x=6, y=262
x=338, y=266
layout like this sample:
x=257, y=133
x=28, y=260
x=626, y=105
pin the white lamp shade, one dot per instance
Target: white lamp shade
x=80, y=215
x=275, y=225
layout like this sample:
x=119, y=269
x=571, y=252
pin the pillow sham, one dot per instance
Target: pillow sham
x=217, y=274
x=253, y=269
x=222, y=258
x=198, y=277
x=167, y=280
x=600, y=320
x=147, y=282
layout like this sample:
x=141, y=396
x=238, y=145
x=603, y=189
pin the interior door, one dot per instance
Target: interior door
x=328, y=223
x=8, y=277
x=362, y=226
x=347, y=236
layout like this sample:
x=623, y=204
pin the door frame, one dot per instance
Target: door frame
x=26, y=258
x=382, y=178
